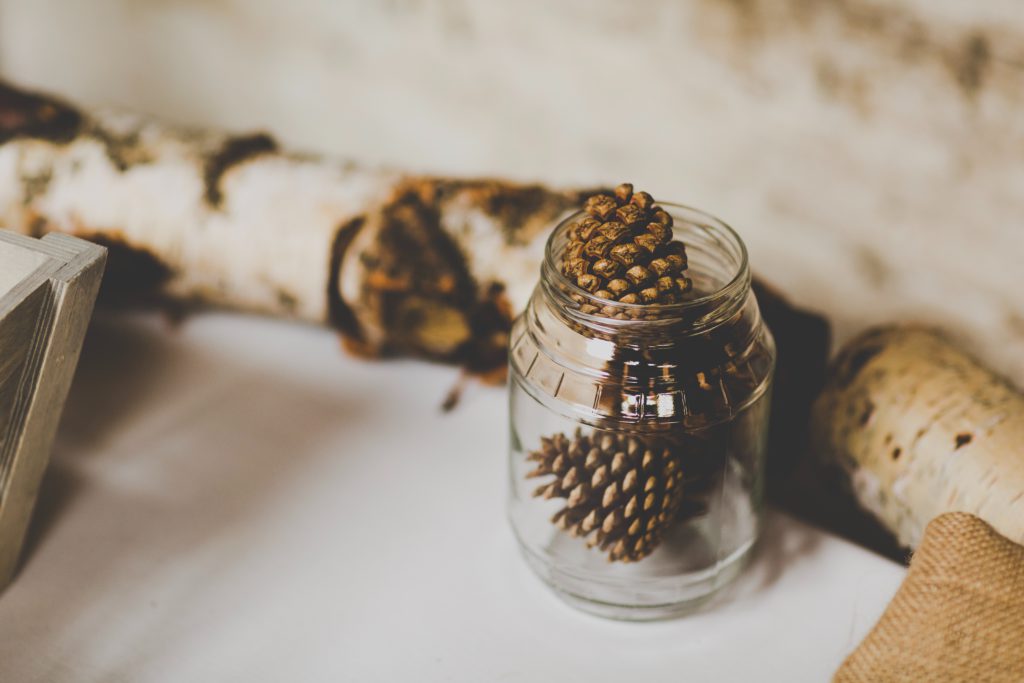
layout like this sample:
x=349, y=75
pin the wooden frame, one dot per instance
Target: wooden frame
x=47, y=290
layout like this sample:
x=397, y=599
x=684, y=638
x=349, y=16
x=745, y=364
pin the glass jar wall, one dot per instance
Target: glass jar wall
x=638, y=432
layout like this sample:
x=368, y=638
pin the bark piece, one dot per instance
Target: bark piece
x=803, y=341
x=920, y=428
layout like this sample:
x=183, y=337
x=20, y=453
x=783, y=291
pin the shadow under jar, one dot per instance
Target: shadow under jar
x=638, y=432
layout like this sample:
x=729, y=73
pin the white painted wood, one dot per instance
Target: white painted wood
x=16, y=264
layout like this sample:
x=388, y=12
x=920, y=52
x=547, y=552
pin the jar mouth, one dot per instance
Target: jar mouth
x=718, y=265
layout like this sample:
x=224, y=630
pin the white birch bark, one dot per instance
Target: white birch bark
x=921, y=428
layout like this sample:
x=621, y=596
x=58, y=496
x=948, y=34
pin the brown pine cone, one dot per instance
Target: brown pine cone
x=622, y=250
x=623, y=489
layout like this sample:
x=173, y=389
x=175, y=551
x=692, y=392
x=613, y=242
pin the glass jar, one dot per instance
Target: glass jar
x=638, y=432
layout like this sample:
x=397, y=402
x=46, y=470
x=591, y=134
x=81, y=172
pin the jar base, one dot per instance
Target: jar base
x=687, y=595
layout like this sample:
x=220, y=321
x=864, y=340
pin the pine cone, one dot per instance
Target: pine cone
x=626, y=489
x=623, y=250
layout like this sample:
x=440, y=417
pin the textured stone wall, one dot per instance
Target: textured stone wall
x=871, y=153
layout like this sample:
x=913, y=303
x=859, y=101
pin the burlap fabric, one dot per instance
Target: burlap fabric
x=958, y=616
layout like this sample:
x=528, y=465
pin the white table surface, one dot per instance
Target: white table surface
x=237, y=500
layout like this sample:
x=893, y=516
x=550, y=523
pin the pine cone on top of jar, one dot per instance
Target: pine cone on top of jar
x=621, y=490
x=622, y=250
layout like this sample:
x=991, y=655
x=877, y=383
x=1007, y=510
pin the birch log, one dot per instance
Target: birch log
x=428, y=267
x=921, y=428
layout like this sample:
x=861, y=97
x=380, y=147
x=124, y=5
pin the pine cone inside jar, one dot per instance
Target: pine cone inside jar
x=621, y=491
x=622, y=250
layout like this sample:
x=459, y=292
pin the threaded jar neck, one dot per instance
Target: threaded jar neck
x=717, y=265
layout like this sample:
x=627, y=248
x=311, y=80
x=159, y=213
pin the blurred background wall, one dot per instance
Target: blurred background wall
x=870, y=152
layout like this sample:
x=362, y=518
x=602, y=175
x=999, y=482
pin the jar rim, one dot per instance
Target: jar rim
x=736, y=286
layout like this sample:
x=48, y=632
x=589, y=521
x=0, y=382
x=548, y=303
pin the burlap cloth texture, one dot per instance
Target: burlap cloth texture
x=958, y=616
